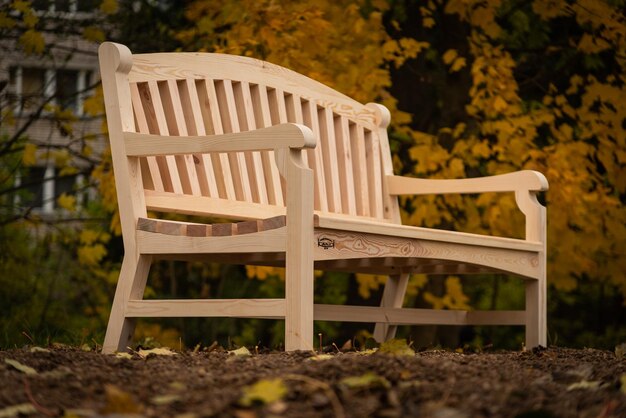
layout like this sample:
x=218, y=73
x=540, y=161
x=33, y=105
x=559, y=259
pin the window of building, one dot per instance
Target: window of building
x=42, y=188
x=66, y=5
x=30, y=87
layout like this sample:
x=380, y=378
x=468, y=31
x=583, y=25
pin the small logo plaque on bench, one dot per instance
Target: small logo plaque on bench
x=325, y=243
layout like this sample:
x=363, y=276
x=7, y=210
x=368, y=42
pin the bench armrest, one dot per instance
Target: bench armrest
x=518, y=181
x=286, y=135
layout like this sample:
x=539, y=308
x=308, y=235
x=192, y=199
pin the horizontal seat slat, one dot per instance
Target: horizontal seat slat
x=209, y=230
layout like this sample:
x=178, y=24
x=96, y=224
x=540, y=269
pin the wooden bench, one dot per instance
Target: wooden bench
x=308, y=173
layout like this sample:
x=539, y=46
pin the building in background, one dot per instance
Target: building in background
x=44, y=95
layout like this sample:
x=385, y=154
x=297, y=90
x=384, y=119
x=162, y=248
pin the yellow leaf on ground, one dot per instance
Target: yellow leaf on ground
x=241, y=351
x=156, y=352
x=366, y=380
x=119, y=402
x=396, y=347
x=264, y=391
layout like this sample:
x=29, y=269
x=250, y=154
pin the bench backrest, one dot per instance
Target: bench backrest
x=181, y=94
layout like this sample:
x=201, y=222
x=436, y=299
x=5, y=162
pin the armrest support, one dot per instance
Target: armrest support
x=526, y=180
x=286, y=135
x=525, y=184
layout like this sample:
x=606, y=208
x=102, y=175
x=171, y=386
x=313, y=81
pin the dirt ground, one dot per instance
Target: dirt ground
x=553, y=382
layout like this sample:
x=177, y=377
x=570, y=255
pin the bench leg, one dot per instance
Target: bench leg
x=393, y=296
x=299, y=289
x=536, y=313
x=130, y=285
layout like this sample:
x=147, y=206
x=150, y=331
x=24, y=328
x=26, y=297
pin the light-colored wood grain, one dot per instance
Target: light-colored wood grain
x=211, y=308
x=315, y=159
x=169, y=170
x=374, y=176
x=299, y=257
x=536, y=291
x=357, y=142
x=263, y=119
x=194, y=120
x=278, y=136
x=254, y=160
x=354, y=245
x=151, y=174
x=389, y=229
x=116, y=62
x=521, y=180
x=344, y=162
x=264, y=241
x=163, y=66
x=221, y=164
x=206, y=230
x=328, y=145
x=411, y=316
x=310, y=173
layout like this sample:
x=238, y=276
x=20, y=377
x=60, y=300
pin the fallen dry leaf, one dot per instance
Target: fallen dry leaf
x=127, y=356
x=265, y=391
x=241, y=351
x=366, y=380
x=21, y=367
x=584, y=384
x=155, y=352
x=119, y=402
x=396, y=347
x=17, y=410
x=165, y=399
x=321, y=357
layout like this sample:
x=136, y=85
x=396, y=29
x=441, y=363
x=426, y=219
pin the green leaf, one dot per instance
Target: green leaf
x=21, y=367
x=396, y=347
x=264, y=391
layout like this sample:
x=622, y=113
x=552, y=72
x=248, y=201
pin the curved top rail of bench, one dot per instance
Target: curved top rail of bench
x=201, y=65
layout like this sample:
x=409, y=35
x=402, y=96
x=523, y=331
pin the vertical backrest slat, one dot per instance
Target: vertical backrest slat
x=172, y=106
x=169, y=171
x=309, y=113
x=149, y=166
x=263, y=119
x=278, y=114
x=245, y=113
x=195, y=126
x=329, y=154
x=230, y=122
x=294, y=104
x=221, y=165
x=212, y=94
x=373, y=164
x=357, y=144
x=345, y=164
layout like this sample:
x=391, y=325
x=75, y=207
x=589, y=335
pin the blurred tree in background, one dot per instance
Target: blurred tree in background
x=475, y=87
